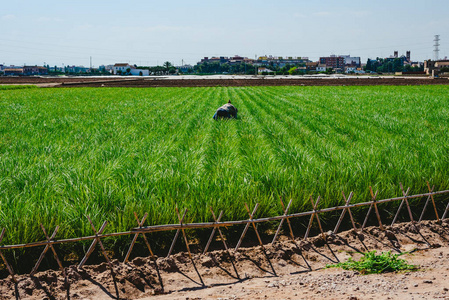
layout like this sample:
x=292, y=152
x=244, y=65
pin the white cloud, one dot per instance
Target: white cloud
x=299, y=15
x=358, y=14
x=48, y=19
x=163, y=28
x=84, y=27
x=8, y=17
x=322, y=14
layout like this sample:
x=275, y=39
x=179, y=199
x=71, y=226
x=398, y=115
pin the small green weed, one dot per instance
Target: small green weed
x=371, y=263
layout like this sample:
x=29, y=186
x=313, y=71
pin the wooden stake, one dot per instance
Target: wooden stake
x=254, y=225
x=213, y=231
x=292, y=236
x=400, y=205
x=445, y=212
x=41, y=257
x=224, y=242
x=246, y=226
x=54, y=252
x=375, y=208
x=183, y=233
x=282, y=220
x=433, y=202
x=352, y=219
x=153, y=258
x=219, y=231
x=187, y=244
x=94, y=242
x=177, y=234
x=406, y=202
x=145, y=238
x=140, y=223
x=373, y=204
x=343, y=213
x=314, y=205
x=103, y=250
x=427, y=202
x=258, y=236
x=10, y=270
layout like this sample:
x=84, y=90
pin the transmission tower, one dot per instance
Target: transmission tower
x=436, y=50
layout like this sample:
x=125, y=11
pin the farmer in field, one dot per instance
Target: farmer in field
x=227, y=111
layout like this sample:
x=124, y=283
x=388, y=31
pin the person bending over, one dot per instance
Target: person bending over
x=227, y=111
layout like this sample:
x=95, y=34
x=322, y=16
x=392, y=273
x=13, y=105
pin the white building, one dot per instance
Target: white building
x=264, y=70
x=140, y=72
x=350, y=69
x=127, y=68
x=321, y=68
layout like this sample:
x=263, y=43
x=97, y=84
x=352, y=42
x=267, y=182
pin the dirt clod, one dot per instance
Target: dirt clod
x=139, y=261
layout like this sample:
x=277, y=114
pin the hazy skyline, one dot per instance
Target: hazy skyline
x=151, y=32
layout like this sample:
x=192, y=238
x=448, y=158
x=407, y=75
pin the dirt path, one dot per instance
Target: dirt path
x=429, y=283
x=286, y=270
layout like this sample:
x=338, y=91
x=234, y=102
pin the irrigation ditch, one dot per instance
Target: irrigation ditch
x=428, y=208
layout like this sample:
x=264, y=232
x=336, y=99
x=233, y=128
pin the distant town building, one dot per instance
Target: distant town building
x=311, y=66
x=13, y=71
x=140, y=72
x=432, y=67
x=279, y=61
x=352, y=61
x=77, y=69
x=109, y=68
x=268, y=61
x=350, y=69
x=220, y=60
x=185, y=68
x=417, y=64
x=34, y=70
x=236, y=60
x=264, y=70
x=124, y=68
x=321, y=68
x=120, y=68
x=337, y=63
x=25, y=71
x=404, y=58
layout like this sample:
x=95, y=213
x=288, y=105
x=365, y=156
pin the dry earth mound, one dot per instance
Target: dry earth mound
x=285, y=270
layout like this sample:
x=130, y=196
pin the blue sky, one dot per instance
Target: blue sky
x=151, y=32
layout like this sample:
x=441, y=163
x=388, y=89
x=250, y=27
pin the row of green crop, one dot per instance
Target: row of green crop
x=68, y=153
x=16, y=87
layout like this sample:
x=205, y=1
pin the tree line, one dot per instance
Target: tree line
x=388, y=65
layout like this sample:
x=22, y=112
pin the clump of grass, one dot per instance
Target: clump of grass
x=371, y=263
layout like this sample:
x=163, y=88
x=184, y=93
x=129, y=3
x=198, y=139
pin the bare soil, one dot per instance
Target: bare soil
x=285, y=270
x=206, y=82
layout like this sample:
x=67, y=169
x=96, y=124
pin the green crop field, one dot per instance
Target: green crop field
x=107, y=152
